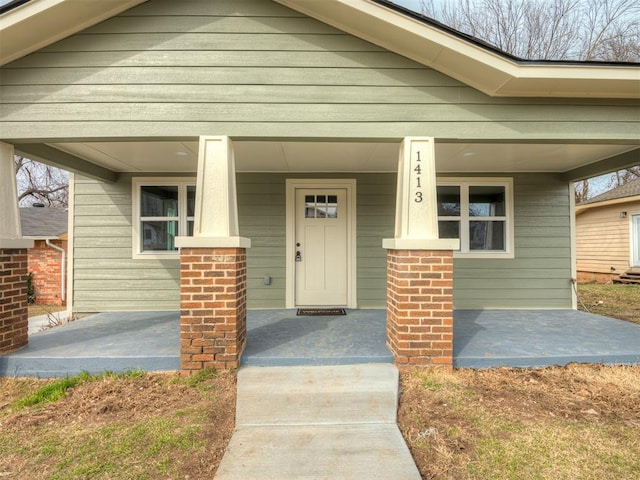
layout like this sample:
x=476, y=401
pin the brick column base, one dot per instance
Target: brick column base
x=420, y=307
x=14, y=312
x=213, y=315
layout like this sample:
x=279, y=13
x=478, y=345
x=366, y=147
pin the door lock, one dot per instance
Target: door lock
x=298, y=256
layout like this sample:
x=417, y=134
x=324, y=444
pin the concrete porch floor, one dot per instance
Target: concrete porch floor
x=120, y=341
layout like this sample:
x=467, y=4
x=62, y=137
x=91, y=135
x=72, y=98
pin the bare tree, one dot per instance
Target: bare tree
x=584, y=30
x=603, y=30
x=40, y=183
x=624, y=176
x=581, y=191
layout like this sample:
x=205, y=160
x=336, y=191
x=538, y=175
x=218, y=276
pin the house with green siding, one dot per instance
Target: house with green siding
x=305, y=154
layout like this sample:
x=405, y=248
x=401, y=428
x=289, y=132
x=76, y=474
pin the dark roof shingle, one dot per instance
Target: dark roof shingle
x=43, y=221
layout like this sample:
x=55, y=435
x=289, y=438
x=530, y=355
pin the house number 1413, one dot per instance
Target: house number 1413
x=418, y=171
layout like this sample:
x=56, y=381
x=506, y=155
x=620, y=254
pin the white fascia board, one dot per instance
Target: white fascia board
x=479, y=67
x=39, y=23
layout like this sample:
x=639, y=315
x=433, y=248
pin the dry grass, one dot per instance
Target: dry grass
x=38, y=309
x=617, y=300
x=574, y=422
x=140, y=426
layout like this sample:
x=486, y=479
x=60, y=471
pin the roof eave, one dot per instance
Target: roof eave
x=38, y=23
x=604, y=203
x=42, y=237
x=477, y=65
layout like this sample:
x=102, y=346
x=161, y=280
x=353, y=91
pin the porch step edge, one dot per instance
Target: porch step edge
x=353, y=394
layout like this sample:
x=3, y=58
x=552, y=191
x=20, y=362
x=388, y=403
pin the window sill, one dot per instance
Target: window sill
x=486, y=255
x=156, y=256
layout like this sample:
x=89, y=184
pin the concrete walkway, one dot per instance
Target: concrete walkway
x=317, y=422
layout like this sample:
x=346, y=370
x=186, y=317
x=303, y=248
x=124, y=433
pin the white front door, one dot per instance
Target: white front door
x=635, y=240
x=321, y=248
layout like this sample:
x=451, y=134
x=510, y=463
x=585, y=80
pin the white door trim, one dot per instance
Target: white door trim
x=634, y=239
x=292, y=184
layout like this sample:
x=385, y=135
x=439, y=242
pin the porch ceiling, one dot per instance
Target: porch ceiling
x=299, y=156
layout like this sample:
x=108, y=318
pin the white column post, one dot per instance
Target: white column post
x=416, y=225
x=419, y=265
x=10, y=229
x=213, y=267
x=216, y=209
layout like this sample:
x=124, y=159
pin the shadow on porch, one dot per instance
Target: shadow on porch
x=120, y=341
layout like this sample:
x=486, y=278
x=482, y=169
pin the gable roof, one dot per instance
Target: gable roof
x=629, y=189
x=38, y=23
x=467, y=59
x=43, y=222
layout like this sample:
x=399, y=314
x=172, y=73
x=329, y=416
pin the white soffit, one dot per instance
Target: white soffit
x=472, y=64
x=345, y=157
x=39, y=23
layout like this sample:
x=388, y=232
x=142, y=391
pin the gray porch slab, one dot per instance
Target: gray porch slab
x=114, y=341
x=280, y=338
x=539, y=338
x=149, y=341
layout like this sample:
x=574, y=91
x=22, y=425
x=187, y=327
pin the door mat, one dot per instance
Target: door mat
x=321, y=311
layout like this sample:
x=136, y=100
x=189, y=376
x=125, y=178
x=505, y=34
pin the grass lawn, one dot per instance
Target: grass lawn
x=135, y=426
x=561, y=423
x=616, y=300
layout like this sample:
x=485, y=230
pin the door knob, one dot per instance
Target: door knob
x=298, y=256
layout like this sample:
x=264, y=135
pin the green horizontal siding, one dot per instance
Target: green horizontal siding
x=251, y=68
x=376, y=213
x=262, y=214
x=107, y=278
x=262, y=217
x=539, y=275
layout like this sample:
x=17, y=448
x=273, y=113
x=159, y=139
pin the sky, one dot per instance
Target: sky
x=410, y=4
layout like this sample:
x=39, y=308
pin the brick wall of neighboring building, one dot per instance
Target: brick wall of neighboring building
x=14, y=323
x=45, y=263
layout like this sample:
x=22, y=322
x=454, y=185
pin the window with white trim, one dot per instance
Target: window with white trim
x=480, y=213
x=163, y=209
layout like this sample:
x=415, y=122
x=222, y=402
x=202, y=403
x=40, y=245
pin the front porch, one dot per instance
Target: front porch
x=120, y=341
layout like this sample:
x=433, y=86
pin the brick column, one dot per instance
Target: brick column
x=14, y=313
x=213, y=327
x=420, y=307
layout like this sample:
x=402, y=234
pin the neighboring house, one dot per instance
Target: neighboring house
x=310, y=137
x=47, y=259
x=608, y=233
